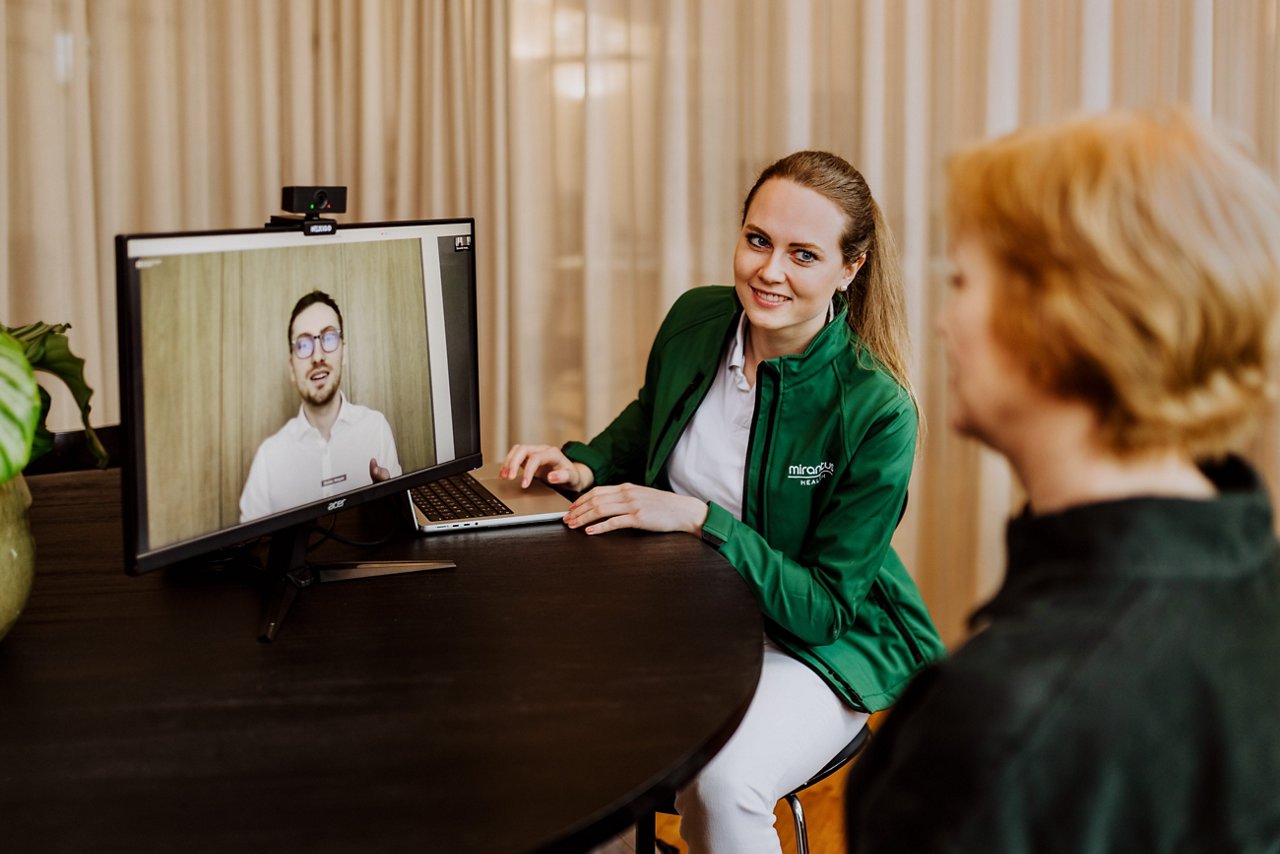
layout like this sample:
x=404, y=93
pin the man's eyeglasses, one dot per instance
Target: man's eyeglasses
x=305, y=344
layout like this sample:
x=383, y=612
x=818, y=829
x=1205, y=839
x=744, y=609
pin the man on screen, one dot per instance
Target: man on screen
x=332, y=445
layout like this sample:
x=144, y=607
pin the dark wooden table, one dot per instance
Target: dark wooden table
x=541, y=696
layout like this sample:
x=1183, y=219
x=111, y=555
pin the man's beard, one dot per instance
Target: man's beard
x=320, y=398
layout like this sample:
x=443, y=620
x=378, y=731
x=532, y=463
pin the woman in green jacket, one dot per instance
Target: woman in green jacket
x=776, y=422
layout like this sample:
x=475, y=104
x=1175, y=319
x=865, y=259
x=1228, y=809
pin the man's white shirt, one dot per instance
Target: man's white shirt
x=296, y=465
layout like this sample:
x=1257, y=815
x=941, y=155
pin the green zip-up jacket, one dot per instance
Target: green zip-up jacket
x=831, y=448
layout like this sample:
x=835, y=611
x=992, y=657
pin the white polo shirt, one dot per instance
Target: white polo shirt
x=296, y=465
x=710, y=459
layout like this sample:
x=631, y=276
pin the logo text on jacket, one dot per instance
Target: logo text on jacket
x=810, y=475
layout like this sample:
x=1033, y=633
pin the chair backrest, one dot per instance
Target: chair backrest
x=837, y=762
x=850, y=750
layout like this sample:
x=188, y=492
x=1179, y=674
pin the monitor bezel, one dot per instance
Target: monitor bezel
x=133, y=463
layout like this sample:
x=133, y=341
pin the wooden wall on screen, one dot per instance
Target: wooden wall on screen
x=385, y=311
x=217, y=378
x=183, y=374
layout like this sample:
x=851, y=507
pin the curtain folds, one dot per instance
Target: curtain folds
x=604, y=147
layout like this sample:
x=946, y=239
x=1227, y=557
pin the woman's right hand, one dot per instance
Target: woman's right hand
x=548, y=463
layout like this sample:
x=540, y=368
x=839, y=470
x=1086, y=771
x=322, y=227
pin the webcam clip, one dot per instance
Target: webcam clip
x=305, y=206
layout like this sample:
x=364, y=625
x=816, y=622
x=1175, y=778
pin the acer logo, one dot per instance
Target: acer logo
x=337, y=505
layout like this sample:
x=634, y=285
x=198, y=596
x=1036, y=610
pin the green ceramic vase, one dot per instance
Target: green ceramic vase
x=17, y=552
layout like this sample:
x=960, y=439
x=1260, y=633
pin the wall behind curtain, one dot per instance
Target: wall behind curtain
x=604, y=147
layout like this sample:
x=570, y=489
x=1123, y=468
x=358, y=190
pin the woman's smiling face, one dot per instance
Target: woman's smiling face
x=788, y=263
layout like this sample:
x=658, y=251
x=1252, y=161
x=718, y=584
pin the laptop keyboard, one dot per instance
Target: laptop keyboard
x=457, y=497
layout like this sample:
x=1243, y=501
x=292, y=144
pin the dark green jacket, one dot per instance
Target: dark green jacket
x=828, y=461
x=1123, y=697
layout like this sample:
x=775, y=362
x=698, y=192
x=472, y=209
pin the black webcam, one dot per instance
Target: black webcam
x=311, y=203
x=314, y=201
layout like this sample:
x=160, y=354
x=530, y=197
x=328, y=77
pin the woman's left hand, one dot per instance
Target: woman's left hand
x=631, y=506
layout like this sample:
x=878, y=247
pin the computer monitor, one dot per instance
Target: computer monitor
x=230, y=339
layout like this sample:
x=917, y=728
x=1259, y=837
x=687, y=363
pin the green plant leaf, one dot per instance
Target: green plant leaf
x=19, y=407
x=47, y=349
x=42, y=443
x=32, y=338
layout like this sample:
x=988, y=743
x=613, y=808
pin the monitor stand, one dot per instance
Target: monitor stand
x=289, y=572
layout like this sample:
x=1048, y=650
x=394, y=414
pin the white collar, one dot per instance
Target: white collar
x=346, y=415
x=737, y=355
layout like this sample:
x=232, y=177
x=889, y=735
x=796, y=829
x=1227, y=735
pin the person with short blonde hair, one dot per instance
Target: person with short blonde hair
x=1143, y=254
x=1113, y=333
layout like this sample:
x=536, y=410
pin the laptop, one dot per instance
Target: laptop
x=481, y=499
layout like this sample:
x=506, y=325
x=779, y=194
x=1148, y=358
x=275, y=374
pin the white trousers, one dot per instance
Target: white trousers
x=794, y=726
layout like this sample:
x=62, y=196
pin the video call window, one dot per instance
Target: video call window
x=222, y=375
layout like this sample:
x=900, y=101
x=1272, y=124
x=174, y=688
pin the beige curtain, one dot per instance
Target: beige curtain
x=604, y=147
